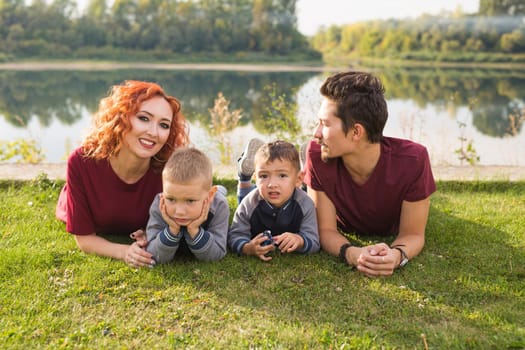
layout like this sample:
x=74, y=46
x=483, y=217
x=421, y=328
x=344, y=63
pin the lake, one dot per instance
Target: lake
x=471, y=112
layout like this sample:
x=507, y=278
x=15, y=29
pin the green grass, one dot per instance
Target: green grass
x=465, y=291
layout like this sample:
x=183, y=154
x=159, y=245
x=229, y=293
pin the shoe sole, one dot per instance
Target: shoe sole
x=246, y=164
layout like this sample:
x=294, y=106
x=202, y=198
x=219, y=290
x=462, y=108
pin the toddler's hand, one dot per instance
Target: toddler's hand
x=254, y=247
x=289, y=242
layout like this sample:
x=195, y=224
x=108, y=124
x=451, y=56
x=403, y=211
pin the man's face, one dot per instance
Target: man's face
x=329, y=132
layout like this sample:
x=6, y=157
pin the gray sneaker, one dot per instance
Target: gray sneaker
x=246, y=167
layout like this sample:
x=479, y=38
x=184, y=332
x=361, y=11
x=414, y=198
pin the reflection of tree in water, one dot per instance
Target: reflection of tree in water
x=278, y=114
x=495, y=93
x=498, y=121
x=45, y=95
x=63, y=95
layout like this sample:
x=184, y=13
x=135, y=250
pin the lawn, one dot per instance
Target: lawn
x=466, y=290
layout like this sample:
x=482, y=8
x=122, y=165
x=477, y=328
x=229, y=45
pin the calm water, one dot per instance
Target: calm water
x=442, y=109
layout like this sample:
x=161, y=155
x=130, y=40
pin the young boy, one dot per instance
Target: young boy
x=190, y=215
x=278, y=205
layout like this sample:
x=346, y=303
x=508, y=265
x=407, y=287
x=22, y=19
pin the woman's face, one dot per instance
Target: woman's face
x=150, y=128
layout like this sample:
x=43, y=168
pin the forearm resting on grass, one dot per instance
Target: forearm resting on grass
x=93, y=244
x=413, y=222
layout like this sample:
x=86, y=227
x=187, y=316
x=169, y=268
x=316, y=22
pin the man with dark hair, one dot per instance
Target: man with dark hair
x=364, y=182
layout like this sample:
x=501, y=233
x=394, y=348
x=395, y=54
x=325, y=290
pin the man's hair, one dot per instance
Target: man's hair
x=360, y=98
x=187, y=164
x=279, y=149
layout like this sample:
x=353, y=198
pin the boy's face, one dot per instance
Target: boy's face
x=184, y=202
x=277, y=180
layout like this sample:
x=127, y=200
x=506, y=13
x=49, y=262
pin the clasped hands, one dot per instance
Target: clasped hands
x=375, y=260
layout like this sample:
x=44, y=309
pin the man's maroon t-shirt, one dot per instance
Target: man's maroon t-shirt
x=403, y=172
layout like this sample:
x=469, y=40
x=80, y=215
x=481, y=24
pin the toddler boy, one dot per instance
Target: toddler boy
x=190, y=216
x=278, y=205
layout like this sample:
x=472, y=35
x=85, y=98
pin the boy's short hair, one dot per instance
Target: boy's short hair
x=187, y=164
x=282, y=150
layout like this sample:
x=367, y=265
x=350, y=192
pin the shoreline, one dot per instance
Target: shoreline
x=57, y=171
x=103, y=66
x=329, y=66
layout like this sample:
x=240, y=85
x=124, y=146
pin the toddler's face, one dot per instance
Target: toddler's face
x=277, y=180
x=184, y=202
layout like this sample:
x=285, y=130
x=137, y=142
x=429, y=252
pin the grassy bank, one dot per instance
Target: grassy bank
x=466, y=290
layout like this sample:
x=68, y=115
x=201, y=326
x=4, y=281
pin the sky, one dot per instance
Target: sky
x=312, y=14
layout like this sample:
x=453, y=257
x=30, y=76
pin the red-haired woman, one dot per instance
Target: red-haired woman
x=113, y=177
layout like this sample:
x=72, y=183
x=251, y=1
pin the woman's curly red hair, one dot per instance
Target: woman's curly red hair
x=112, y=121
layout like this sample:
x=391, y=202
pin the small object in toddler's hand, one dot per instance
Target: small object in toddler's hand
x=269, y=238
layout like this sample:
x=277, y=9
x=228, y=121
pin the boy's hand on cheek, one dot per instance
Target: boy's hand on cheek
x=194, y=226
x=173, y=226
x=289, y=242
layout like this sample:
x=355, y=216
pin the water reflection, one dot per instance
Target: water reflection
x=437, y=107
x=492, y=96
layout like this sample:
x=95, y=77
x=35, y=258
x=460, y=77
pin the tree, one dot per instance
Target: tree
x=501, y=7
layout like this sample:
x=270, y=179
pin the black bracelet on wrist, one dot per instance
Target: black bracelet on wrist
x=404, y=257
x=342, y=253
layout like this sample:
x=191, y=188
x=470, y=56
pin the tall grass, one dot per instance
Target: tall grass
x=465, y=291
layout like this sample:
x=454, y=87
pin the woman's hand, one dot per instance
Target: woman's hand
x=139, y=236
x=137, y=256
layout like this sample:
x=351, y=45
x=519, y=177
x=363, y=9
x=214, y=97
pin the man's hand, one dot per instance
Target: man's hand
x=374, y=260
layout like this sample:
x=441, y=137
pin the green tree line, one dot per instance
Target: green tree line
x=249, y=30
x=154, y=29
x=496, y=32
